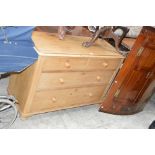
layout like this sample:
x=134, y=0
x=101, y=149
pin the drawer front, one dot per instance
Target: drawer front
x=79, y=63
x=60, y=99
x=73, y=79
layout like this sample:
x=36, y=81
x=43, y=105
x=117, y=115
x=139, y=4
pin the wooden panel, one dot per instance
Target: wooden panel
x=59, y=99
x=103, y=63
x=49, y=43
x=148, y=92
x=64, y=63
x=79, y=63
x=134, y=77
x=73, y=79
x=129, y=92
x=146, y=60
x=22, y=85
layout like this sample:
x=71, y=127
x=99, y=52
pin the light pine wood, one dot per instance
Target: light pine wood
x=65, y=75
x=49, y=43
x=23, y=85
x=73, y=79
x=67, y=98
x=67, y=63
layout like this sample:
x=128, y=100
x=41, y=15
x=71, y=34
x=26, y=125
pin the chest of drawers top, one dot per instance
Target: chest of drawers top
x=48, y=44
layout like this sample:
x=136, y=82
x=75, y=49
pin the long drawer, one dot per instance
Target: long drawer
x=61, y=80
x=79, y=63
x=59, y=99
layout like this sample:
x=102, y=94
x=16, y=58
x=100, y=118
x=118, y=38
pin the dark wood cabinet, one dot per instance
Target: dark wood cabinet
x=136, y=74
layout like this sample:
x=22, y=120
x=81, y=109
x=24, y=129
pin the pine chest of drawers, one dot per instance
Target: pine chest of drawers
x=65, y=75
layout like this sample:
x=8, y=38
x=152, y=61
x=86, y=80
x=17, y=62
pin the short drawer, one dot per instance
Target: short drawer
x=65, y=98
x=79, y=63
x=72, y=79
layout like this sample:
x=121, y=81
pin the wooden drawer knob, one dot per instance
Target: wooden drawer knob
x=91, y=53
x=67, y=65
x=54, y=99
x=104, y=64
x=61, y=80
x=90, y=94
x=98, y=78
